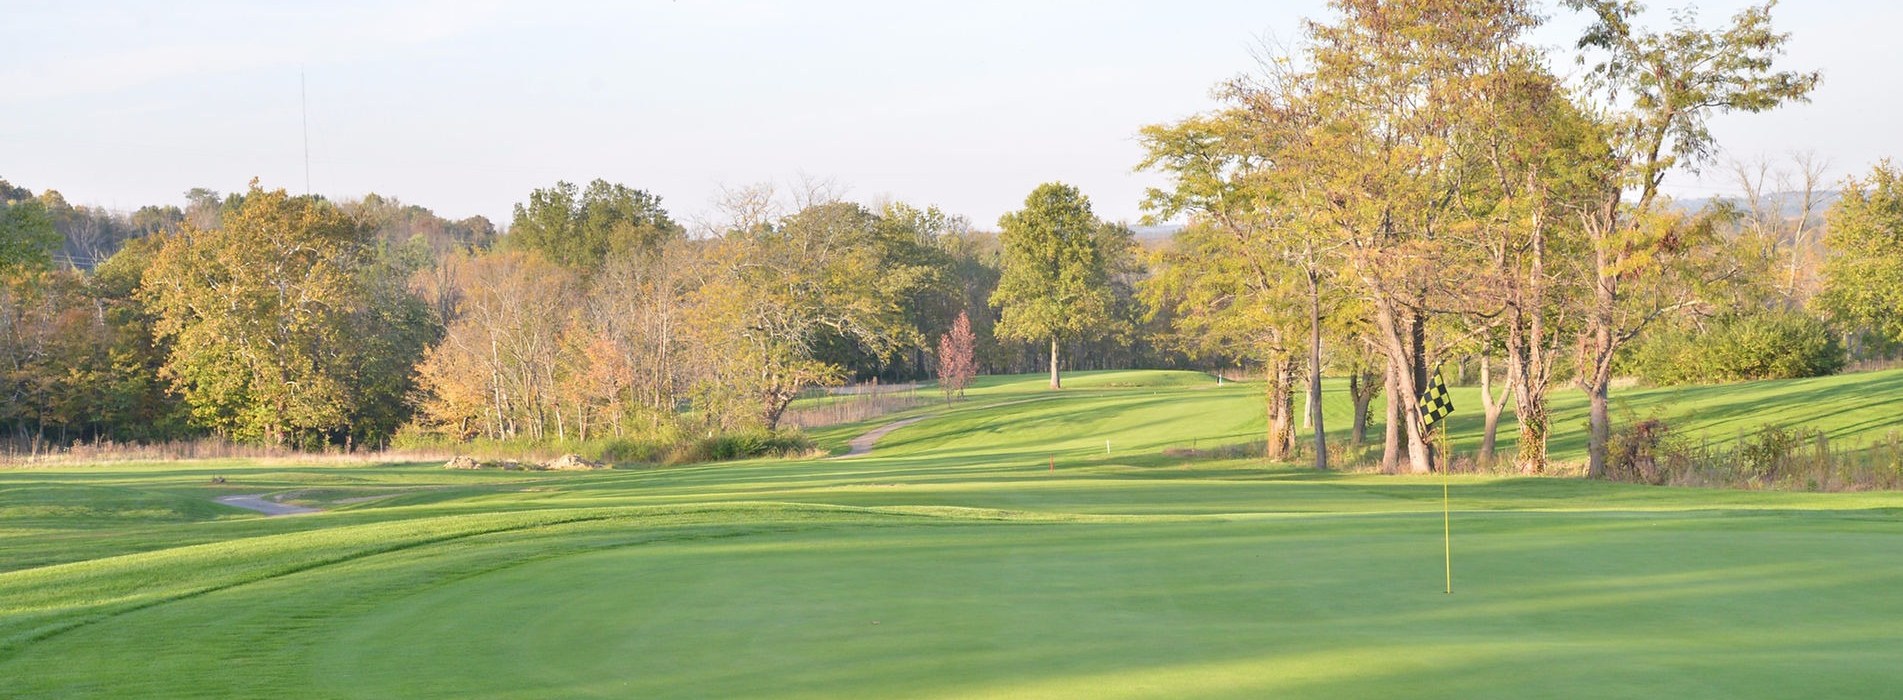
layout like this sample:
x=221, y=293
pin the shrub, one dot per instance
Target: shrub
x=1776, y=457
x=1767, y=456
x=621, y=450
x=663, y=445
x=742, y=445
x=1771, y=344
x=1632, y=453
x=413, y=437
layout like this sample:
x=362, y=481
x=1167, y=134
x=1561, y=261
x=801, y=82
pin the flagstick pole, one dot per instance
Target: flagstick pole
x=1438, y=391
x=1447, y=531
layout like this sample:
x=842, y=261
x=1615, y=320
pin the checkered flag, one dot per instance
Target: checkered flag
x=1434, y=403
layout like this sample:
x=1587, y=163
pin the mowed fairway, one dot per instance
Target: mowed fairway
x=954, y=561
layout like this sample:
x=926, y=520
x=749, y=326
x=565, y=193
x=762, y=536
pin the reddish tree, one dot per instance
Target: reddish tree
x=957, y=364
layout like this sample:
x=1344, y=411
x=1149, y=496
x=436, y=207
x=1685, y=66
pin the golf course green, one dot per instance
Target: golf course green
x=1019, y=543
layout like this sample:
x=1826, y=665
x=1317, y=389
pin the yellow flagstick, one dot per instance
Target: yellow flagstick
x=1437, y=393
x=1447, y=530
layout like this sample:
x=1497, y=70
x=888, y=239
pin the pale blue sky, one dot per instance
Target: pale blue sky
x=464, y=107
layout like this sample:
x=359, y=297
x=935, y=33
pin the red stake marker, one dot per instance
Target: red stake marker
x=1053, y=464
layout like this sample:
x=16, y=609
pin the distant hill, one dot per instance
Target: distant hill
x=1160, y=232
x=1789, y=203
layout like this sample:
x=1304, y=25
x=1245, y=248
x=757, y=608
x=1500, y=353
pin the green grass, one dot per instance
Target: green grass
x=1852, y=410
x=955, y=562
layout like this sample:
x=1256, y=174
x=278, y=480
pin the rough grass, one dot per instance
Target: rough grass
x=956, y=562
x=1853, y=410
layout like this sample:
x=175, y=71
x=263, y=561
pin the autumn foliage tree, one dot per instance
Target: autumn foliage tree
x=1420, y=156
x=77, y=356
x=1412, y=183
x=957, y=357
x=779, y=291
x=637, y=310
x=498, y=370
x=1252, y=271
x=275, y=323
x=1230, y=298
x=1657, y=92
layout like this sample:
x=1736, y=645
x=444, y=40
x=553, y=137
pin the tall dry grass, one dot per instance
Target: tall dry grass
x=28, y=453
x=855, y=403
x=1774, y=458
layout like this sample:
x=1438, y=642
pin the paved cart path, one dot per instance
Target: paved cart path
x=862, y=445
x=259, y=503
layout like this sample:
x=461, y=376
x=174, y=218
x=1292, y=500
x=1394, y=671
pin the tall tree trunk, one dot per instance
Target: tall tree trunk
x=1530, y=354
x=1363, y=386
x=1405, y=339
x=1530, y=413
x=275, y=432
x=1596, y=380
x=1315, y=371
x=1277, y=386
x=777, y=400
x=1602, y=336
x=1490, y=407
x=1359, y=433
x=1529, y=367
x=1391, y=447
x=1601, y=432
x=1287, y=405
x=1055, y=383
x=1268, y=417
x=1596, y=376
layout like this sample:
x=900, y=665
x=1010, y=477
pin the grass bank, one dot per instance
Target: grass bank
x=1018, y=544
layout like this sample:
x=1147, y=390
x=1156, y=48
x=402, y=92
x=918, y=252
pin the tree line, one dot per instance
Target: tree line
x=1412, y=186
x=300, y=322
x=1410, y=190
